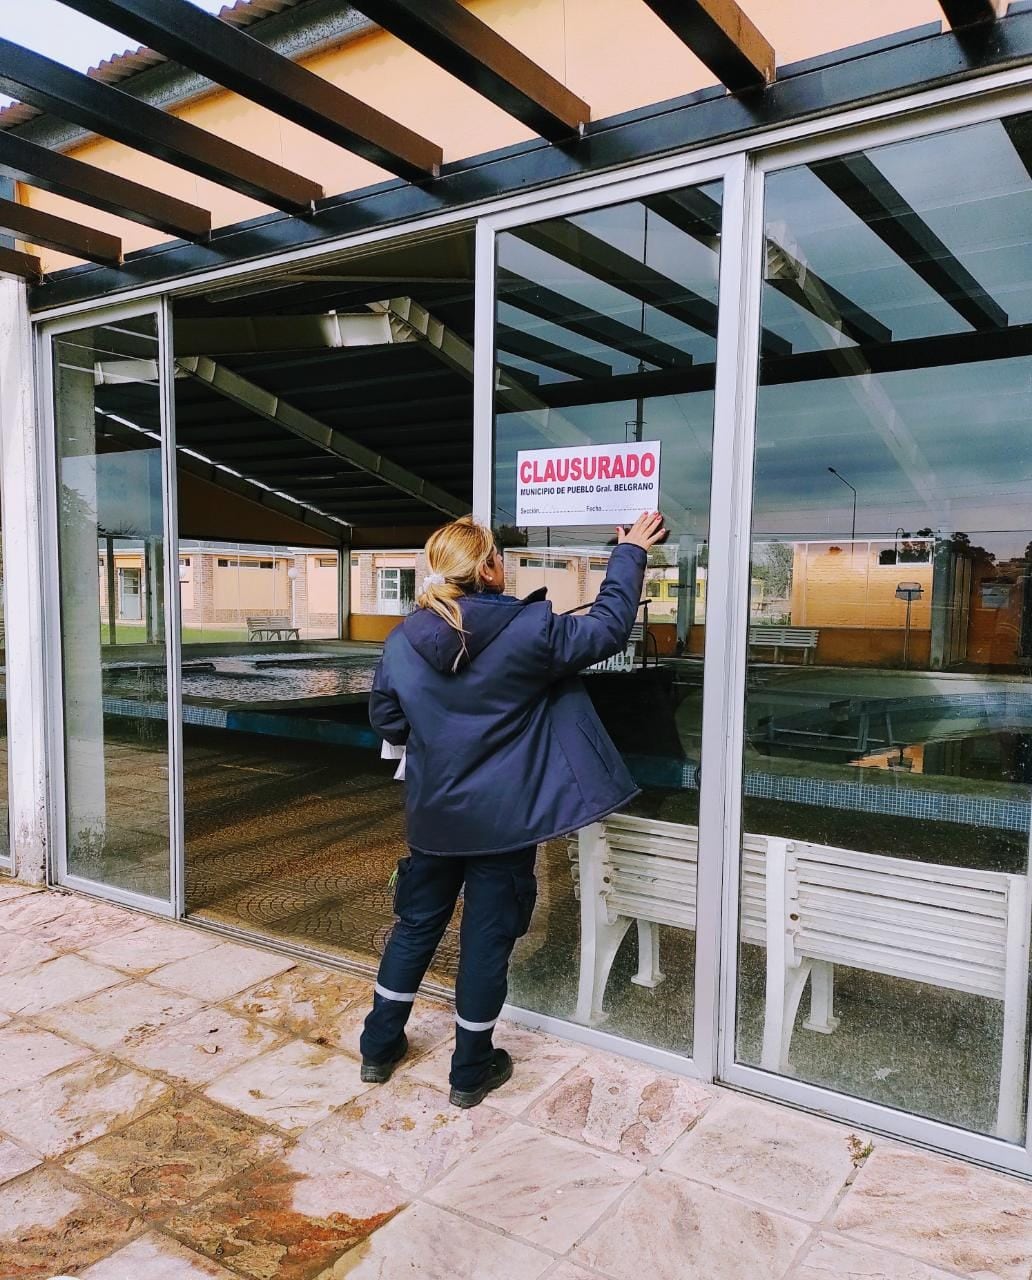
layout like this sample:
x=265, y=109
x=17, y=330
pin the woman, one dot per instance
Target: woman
x=503, y=751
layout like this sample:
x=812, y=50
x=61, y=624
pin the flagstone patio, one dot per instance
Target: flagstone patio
x=174, y=1106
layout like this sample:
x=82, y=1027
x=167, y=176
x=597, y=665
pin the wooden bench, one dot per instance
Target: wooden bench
x=813, y=907
x=271, y=628
x=803, y=639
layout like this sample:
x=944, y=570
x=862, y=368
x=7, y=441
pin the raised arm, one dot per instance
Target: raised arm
x=576, y=641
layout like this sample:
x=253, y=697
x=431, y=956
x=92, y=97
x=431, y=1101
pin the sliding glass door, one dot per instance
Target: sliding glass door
x=110, y=660
x=884, y=905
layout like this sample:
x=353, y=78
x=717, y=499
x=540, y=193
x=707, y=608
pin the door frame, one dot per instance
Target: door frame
x=876, y=1117
x=58, y=871
x=733, y=171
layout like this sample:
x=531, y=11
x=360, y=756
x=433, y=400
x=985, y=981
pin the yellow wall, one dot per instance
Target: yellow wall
x=322, y=584
x=616, y=54
x=836, y=586
x=263, y=590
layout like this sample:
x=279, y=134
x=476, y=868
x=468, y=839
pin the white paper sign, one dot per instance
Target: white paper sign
x=588, y=484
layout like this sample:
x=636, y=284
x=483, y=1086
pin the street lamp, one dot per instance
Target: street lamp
x=908, y=591
x=852, y=535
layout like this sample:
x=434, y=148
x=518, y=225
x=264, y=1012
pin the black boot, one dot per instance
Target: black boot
x=381, y=1072
x=499, y=1071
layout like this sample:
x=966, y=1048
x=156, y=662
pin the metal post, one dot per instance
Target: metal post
x=112, y=604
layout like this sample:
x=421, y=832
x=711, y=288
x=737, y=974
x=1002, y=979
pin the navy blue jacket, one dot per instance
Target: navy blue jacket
x=506, y=751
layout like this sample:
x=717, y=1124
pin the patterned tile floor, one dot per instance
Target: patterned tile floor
x=175, y=1107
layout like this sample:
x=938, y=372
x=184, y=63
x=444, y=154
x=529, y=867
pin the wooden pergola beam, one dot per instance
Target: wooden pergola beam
x=48, y=229
x=64, y=176
x=969, y=13
x=239, y=62
x=15, y=263
x=466, y=47
x=723, y=37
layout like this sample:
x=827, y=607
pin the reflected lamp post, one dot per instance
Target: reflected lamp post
x=908, y=591
x=852, y=532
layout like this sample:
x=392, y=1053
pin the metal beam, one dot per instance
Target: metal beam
x=15, y=263
x=236, y=60
x=48, y=229
x=466, y=47
x=283, y=414
x=723, y=37
x=969, y=13
x=866, y=192
x=558, y=309
x=111, y=112
x=139, y=437
x=61, y=174
x=530, y=346
x=697, y=214
x=597, y=257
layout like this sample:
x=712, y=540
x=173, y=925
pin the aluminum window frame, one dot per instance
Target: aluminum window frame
x=57, y=854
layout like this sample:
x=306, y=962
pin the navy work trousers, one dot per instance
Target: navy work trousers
x=498, y=899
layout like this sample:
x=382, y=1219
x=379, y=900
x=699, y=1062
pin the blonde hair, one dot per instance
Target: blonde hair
x=456, y=552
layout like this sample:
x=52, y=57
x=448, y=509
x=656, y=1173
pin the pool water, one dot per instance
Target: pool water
x=247, y=679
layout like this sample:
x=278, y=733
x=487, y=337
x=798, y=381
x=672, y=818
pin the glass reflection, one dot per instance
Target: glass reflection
x=605, y=334
x=111, y=551
x=888, y=712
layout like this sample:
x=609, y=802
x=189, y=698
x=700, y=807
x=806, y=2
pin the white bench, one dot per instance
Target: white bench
x=813, y=907
x=271, y=628
x=778, y=638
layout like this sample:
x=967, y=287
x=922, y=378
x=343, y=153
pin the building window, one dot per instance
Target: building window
x=396, y=590
x=327, y=562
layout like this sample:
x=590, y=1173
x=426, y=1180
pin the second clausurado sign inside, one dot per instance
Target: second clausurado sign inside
x=587, y=484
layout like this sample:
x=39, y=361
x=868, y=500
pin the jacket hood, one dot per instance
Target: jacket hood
x=484, y=618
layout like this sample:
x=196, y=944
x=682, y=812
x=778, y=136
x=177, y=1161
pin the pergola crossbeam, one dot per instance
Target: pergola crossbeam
x=237, y=61
x=265, y=404
x=14, y=262
x=970, y=13
x=38, y=227
x=866, y=192
x=113, y=113
x=466, y=47
x=723, y=37
x=64, y=176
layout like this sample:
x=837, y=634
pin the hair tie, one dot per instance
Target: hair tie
x=434, y=580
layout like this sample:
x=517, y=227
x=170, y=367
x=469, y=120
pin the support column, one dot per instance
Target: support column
x=23, y=577
x=344, y=592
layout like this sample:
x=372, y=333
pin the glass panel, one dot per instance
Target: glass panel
x=884, y=921
x=5, y=817
x=107, y=413
x=606, y=334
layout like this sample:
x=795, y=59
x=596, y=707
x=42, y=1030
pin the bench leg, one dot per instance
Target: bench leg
x=648, y=974
x=783, y=999
x=822, y=999
x=596, y=967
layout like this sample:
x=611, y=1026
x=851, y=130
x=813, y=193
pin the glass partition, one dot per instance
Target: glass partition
x=605, y=334
x=888, y=760
x=111, y=553
x=5, y=817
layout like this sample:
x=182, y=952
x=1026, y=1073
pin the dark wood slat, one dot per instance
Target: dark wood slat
x=532, y=347
x=59, y=233
x=969, y=13
x=697, y=214
x=101, y=108
x=546, y=304
x=723, y=37
x=457, y=40
x=864, y=189
x=61, y=174
x=16, y=263
x=598, y=258
x=238, y=61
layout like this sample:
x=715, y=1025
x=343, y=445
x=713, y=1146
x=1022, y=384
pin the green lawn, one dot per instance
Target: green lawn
x=130, y=633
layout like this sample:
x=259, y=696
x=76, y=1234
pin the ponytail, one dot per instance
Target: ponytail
x=455, y=555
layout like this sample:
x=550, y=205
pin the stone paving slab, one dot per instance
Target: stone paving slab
x=177, y=1107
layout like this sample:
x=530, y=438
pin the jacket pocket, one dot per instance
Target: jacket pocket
x=524, y=897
